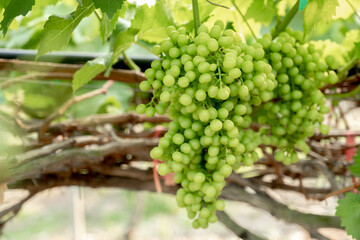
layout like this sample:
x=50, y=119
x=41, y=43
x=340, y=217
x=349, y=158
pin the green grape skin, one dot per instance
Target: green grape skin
x=141, y=108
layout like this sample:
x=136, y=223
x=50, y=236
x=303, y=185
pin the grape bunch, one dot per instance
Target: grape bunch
x=299, y=107
x=209, y=85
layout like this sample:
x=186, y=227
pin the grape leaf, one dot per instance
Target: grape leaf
x=79, y=2
x=357, y=52
x=90, y=70
x=123, y=41
x=14, y=9
x=349, y=212
x=4, y=3
x=261, y=11
x=108, y=25
x=108, y=6
x=355, y=168
x=318, y=12
x=302, y=4
x=152, y=21
x=57, y=30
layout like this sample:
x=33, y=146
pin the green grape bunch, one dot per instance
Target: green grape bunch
x=209, y=85
x=300, y=106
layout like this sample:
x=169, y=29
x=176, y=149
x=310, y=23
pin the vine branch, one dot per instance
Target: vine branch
x=236, y=228
x=289, y=16
x=195, y=7
x=341, y=191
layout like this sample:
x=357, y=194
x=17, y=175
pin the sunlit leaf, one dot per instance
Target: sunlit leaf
x=122, y=42
x=90, y=70
x=152, y=21
x=318, y=12
x=261, y=11
x=57, y=30
x=13, y=9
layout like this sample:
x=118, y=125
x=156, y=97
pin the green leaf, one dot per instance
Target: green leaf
x=357, y=49
x=123, y=41
x=4, y=3
x=152, y=21
x=302, y=4
x=108, y=6
x=107, y=26
x=13, y=9
x=349, y=212
x=355, y=168
x=349, y=42
x=90, y=70
x=261, y=11
x=318, y=12
x=57, y=30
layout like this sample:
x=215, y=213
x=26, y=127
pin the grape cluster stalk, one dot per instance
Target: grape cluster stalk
x=213, y=87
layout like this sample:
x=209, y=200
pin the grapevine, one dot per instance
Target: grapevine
x=238, y=103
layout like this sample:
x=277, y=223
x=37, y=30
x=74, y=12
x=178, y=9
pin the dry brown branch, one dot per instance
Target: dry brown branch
x=341, y=191
x=335, y=134
x=351, y=80
x=66, y=71
x=233, y=191
x=276, y=185
x=12, y=211
x=100, y=119
x=76, y=158
x=239, y=231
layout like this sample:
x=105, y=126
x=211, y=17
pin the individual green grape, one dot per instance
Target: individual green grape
x=185, y=99
x=144, y=86
x=200, y=95
x=141, y=108
x=212, y=44
x=225, y=41
x=164, y=169
x=205, y=78
x=247, y=66
x=169, y=80
x=150, y=111
x=204, y=67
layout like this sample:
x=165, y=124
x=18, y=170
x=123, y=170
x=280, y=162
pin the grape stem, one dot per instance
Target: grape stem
x=130, y=63
x=345, y=70
x=195, y=7
x=218, y=5
x=244, y=19
x=287, y=19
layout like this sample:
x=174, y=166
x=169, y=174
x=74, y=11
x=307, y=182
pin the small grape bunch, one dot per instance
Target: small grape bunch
x=300, y=106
